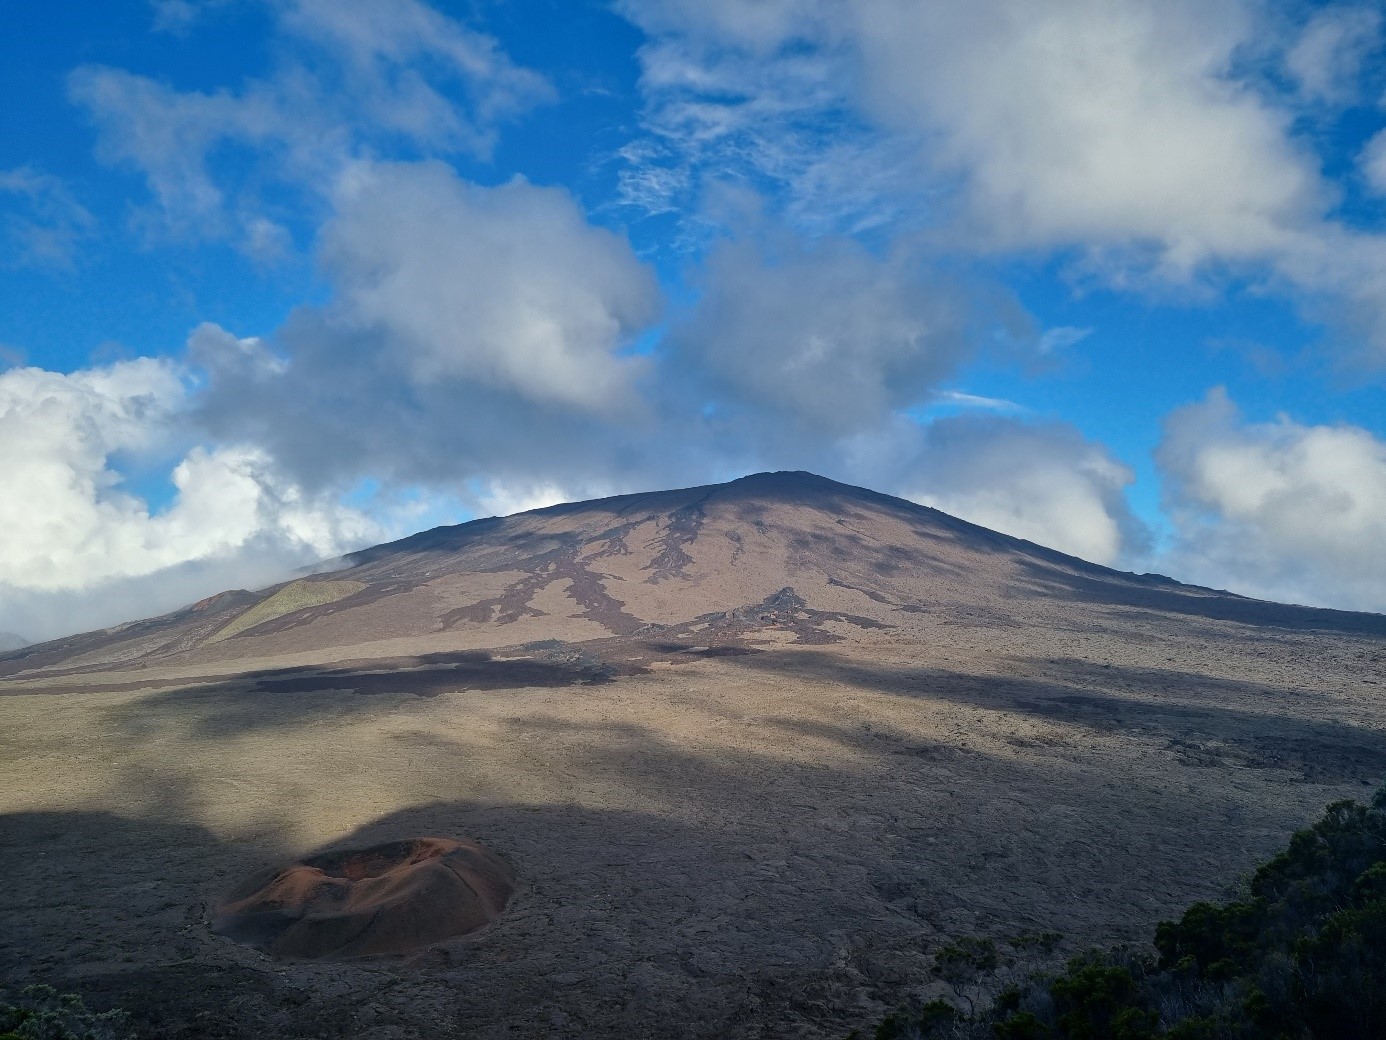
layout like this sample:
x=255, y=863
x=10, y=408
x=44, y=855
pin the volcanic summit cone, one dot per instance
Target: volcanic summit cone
x=769, y=558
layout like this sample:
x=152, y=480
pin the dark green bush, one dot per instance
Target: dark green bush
x=906, y=1026
x=42, y=1013
x=1023, y=1025
x=1098, y=1000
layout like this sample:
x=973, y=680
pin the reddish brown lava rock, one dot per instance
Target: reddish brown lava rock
x=387, y=899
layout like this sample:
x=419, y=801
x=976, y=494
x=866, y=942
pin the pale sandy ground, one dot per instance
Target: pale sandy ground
x=768, y=845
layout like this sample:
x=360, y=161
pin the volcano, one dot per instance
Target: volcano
x=767, y=559
x=753, y=754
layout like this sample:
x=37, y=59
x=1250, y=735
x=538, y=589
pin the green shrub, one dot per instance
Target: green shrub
x=967, y=956
x=928, y=1020
x=1023, y=1025
x=1099, y=1001
x=42, y=1013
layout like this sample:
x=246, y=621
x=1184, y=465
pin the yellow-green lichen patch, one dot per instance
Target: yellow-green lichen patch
x=294, y=596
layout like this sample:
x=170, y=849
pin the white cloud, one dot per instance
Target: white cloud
x=1041, y=482
x=1054, y=341
x=178, y=16
x=825, y=337
x=1327, y=59
x=1373, y=162
x=387, y=46
x=962, y=399
x=58, y=431
x=471, y=333
x=170, y=137
x=73, y=532
x=502, y=499
x=1128, y=135
x=507, y=286
x=476, y=343
x=41, y=223
x=1278, y=510
x=354, y=76
x=724, y=99
x=219, y=352
x=1104, y=124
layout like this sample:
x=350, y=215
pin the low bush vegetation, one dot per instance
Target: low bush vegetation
x=42, y=1013
x=1299, y=953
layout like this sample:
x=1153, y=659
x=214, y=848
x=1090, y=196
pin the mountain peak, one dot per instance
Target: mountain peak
x=770, y=556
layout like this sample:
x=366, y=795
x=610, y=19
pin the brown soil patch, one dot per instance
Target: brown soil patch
x=387, y=899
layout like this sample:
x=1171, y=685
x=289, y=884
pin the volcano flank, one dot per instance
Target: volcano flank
x=739, y=759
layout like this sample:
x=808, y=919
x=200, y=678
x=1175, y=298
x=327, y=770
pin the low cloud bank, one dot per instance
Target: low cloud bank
x=1278, y=510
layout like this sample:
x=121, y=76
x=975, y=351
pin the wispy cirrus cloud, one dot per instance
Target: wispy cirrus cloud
x=1139, y=145
x=41, y=222
x=179, y=16
x=354, y=76
x=1327, y=58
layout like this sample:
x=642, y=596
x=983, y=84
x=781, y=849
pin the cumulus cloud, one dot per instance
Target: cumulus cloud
x=1041, y=481
x=498, y=498
x=507, y=286
x=478, y=341
x=1133, y=138
x=1101, y=123
x=354, y=76
x=472, y=332
x=74, y=533
x=823, y=337
x=1278, y=510
x=1108, y=125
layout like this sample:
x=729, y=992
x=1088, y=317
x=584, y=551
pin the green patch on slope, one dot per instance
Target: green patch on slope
x=42, y=1013
x=294, y=596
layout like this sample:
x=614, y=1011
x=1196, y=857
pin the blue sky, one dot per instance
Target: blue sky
x=285, y=277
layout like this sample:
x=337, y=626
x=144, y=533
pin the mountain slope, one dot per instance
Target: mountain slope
x=774, y=556
x=759, y=754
